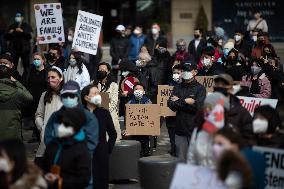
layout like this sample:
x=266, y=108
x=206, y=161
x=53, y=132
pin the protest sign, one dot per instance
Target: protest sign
x=164, y=93
x=49, y=23
x=274, y=175
x=105, y=100
x=87, y=32
x=195, y=177
x=142, y=119
x=206, y=81
x=251, y=103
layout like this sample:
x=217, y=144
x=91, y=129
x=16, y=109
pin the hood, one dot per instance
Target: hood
x=8, y=89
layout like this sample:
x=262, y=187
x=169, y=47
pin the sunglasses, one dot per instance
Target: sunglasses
x=70, y=95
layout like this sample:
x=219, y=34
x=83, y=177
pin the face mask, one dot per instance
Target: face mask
x=255, y=70
x=221, y=90
x=220, y=43
x=187, y=75
x=176, y=77
x=162, y=50
x=138, y=94
x=206, y=62
x=181, y=47
x=4, y=165
x=259, y=125
x=37, y=63
x=218, y=150
x=54, y=83
x=237, y=38
x=70, y=102
x=70, y=38
x=63, y=132
x=254, y=38
x=51, y=57
x=136, y=32
x=96, y=100
x=72, y=62
x=125, y=73
x=155, y=31
x=196, y=36
x=236, y=88
x=18, y=19
x=101, y=75
x=226, y=52
x=5, y=72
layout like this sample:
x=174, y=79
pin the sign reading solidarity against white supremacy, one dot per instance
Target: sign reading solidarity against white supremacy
x=195, y=177
x=49, y=23
x=251, y=103
x=274, y=175
x=87, y=32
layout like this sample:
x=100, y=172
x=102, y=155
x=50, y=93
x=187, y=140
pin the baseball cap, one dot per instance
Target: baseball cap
x=70, y=87
x=187, y=66
x=224, y=77
x=120, y=28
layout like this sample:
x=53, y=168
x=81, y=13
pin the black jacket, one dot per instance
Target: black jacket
x=215, y=69
x=164, y=67
x=74, y=161
x=244, y=48
x=185, y=113
x=151, y=42
x=244, y=91
x=60, y=63
x=119, y=48
x=196, y=53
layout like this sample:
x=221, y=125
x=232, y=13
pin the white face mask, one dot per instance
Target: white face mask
x=155, y=31
x=70, y=38
x=136, y=32
x=96, y=100
x=218, y=150
x=206, y=61
x=63, y=131
x=259, y=126
x=236, y=88
x=4, y=165
x=187, y=75
x=237, y=38
x=138, y=94
x=254, y=38
x=125, y=73
x=176, y=77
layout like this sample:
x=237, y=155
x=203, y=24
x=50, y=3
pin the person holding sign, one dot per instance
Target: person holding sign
x=186, y=100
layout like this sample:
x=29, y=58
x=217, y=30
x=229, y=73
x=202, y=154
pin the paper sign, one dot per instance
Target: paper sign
x=206, y=81
x=274, y=175
x=142, y=119
x=164, y=93
x=49, y=23
x=195, y=177
x=105, y=100
x=251, y=103
x=87, y=32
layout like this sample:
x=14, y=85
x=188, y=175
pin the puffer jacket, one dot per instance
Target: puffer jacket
x=264, y=83
x=185, y=113
x=135, y=45
x=13, y=97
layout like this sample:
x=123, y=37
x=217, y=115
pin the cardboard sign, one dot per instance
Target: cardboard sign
x=274, y=175
x=195, y=177
x=251, y=103
x=105, y=100
x=164, y=93
x=206, y=81
x=49, y=23
x=87, y=32
x=142, y=119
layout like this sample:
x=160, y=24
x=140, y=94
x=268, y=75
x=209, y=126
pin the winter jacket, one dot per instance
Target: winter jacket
x=13, y=97
x=215, y=69
x=113, y=105
x=72, y=73
x=135, y=45
x=119, y=48
x=244, y=48
x=196, y=52
x=144, y=100
x=19, y=41
x=72, y=156
x=257, y=51
x=91, y=129
x=164, y=67
x=264, y=83
x=200, y=150
x=42, y=115
x=151, y=43
x=185, y=113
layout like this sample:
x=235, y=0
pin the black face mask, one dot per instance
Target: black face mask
x=101, y=75
x=221, y=90
x=5, y=72
x=196, y=36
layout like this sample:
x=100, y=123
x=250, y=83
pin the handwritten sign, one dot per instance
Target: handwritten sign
x=142, y=119
x=49, y=23
x=195, y=177
x=87, y=32
x=274, y=175
x=105, y=100
x=206, y=81
x=251, y=103
x=164, y=93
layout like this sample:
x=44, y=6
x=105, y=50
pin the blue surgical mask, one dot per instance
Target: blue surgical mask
x=226, y=52
x=70, y=102
x=72, y=62
x=37, y=63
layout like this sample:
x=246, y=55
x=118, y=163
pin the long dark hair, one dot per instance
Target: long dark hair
x=109, y=78
x=49, y=93
x=79, y=60
x=85, y=92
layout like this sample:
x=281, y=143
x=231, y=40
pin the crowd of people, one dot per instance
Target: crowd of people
x=60, y=91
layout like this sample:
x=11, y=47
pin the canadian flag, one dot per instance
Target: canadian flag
x=215, y=119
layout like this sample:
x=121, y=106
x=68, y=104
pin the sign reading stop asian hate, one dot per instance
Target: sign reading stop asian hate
x=207, y=82
x=87, y=32
x=142, y=119
x=49, y=23
x=164, y=93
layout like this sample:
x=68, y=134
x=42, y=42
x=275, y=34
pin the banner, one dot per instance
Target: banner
x=274, y=175
x=195, y=177
x=164, y=93
x=49, y=23
x=207, y=82
x=87, y=32
x=142, y=119
x=251, y=103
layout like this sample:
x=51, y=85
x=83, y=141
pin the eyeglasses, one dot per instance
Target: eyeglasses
x=70, y=95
